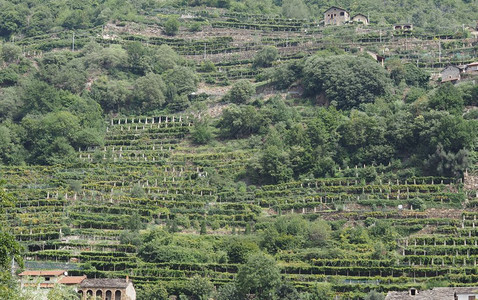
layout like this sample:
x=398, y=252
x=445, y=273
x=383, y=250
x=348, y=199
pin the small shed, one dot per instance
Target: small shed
x=450, y=74
x=336, y=16
x=360, y=18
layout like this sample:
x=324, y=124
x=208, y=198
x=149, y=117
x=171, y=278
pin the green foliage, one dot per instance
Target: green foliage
x=153, y=292
x=447, y=97
x=240, y=92
x=322, y=291
x=345, y=80
x=239, y=249
x=200, y=288
x=171, y=26
x=207, y=66
x=239, y=121
x=149, y=92
x=62, y=292
x=228, y=291
x=447, y=163
x=296, y=9
x=260, y=276
x=286, y=74
x=201, y=132
x=374, y=295
x=265, y=57
x=10, y=52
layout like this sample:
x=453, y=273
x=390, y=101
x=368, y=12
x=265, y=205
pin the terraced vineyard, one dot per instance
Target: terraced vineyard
x=72, y=217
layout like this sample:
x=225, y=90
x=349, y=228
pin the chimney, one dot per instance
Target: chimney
x=127, y=278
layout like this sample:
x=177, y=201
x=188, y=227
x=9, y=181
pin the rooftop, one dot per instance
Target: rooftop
x=105, y=283
x=43, y=273
x=442, y=293
x=72, y=279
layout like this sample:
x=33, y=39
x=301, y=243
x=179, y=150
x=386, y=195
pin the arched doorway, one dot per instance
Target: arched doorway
x=99, y=294
x=80, y=293
x=118, y=295
x=108, y=295
x=89, y=294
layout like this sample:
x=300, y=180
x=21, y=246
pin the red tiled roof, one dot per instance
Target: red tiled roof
x=72, y=279
x=43, y=273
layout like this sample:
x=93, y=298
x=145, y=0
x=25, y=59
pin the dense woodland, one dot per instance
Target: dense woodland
x=226, y=226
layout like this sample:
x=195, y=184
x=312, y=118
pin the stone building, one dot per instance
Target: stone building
x=440, y=293
x=450, y=74
x=360, y=18
x=336, y=16
x=403, y=27
x=107, y=289
x=41, y=279
x=471, y=68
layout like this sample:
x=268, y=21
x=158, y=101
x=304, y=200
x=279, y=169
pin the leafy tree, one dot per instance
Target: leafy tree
x=239, y=249
x=10, y=52
x=414, y=76
x=108, y=58
x=112, y=95
x=133, y=222
x=149, y=92
x=239, y=121
x=165, y=58
x=62, y=292
x=200, y=288
x=275, y=165
x=265, y=57
x=12, y=18
x=319, y=233
x=240, y=92
x=286, y=74
x=322, y=291
x=347, y=80
x=286, y=291
x=447, y=164
x=139, y=58
x=374, y=295
x=9, y=250
x=153, y=292
x=260, y=276
x=180, y=80
x=171, y=26
x=203, y=227
x=228, y=291
x=201, y=132
x=296, y=9
x=447, y=97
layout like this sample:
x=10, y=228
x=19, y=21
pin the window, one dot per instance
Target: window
x=47, y=278
x=342, y=14
x=413, y=292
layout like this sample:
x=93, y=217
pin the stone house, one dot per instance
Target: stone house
x=441, y=293
x=450, y=74
x=360, y=18
x=471, y=68
x=336, y=16
x=41, y=279
x=107, y=289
